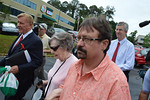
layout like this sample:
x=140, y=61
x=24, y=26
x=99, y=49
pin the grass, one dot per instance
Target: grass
x=5, y=43
x=7, y=40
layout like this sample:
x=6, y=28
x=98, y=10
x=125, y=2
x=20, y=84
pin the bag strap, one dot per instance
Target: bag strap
x=52, y=78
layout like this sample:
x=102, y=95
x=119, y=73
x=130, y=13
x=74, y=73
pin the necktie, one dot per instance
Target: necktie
x=19, y=40
x=115, y=53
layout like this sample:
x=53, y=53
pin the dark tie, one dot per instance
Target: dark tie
x=19, y=41
x=115, y=53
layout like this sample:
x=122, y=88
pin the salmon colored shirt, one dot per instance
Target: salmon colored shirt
x=106, y=82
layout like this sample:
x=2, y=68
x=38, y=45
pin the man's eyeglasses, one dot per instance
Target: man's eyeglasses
x=87, y=40
x=54, y=48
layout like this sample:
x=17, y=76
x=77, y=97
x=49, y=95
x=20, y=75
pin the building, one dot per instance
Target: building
x=39, y=9
x=140, y=39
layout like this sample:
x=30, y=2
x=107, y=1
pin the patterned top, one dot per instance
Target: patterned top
x=106, y=82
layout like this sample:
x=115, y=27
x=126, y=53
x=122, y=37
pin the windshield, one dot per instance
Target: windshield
x=143, y=52
x=9, y=25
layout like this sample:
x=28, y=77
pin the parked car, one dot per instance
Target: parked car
x=74, y=34
x=52, y=31
x=140, y=55
x=9, y=29
x=147, y=49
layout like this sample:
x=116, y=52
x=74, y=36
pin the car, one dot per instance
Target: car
x=52, y=31
x=74, y=34
x=140, y=54
x=147, y=49
x=9, y=29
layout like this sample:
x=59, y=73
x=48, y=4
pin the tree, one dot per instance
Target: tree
x=131, y=38
x=82, y=10
x=109, y=12
x=146, y=42
x=73, y=5
x=113, y=26
x=55, y=3
x=64, y=7
x=93, y=10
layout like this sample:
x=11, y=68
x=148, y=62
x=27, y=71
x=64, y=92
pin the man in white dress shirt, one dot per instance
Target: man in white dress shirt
x=125, y=56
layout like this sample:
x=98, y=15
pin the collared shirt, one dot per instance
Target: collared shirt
x=125, y=56
x=146, y=83
x=105, y=82
x=24, y=36
x=45, y=40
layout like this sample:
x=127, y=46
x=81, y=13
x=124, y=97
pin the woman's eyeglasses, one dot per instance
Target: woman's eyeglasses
x=54, y=48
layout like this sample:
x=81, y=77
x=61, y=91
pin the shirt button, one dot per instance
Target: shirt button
x=74, y=92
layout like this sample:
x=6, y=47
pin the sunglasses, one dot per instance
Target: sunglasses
x=54, y=48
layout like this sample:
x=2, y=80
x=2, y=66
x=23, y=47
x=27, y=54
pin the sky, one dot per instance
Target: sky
x=132, y=12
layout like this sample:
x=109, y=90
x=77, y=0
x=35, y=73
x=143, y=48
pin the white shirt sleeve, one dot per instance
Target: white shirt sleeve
x=125, y=56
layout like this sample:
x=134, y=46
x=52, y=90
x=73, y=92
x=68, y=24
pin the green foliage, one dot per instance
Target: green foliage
x=79, y=11
x=132, y=36
x=1, y=21
x=146, y=42
x=113, y=26
x=6, y=41
x=55, y=3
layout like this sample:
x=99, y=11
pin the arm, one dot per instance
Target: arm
x=54, y=95
x=119, y=93
x=35, y=49
x=146, y=87
x=47, y=51
x=143, y=95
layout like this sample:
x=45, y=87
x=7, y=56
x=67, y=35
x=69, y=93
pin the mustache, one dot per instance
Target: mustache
x=81, y=49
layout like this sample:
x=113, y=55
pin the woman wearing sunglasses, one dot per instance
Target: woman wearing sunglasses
x=61, y=47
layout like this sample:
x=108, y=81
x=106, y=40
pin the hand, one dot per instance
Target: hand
x=14, y=69
x=39, y=84
x=54, y=95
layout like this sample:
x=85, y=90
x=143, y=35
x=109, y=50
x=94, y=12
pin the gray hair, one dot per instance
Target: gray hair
x=65, y=40
x=124, y=24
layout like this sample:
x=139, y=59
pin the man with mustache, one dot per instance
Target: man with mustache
x=94, y=76
x=125, y=55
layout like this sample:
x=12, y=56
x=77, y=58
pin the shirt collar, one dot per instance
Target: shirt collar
x=29, y=32
x=98, y=71
x=122, y=41
x=41, y=37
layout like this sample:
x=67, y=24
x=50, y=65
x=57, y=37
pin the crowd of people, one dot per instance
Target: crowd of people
x=99, y=70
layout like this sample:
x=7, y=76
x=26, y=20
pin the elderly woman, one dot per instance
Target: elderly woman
x=61, y=46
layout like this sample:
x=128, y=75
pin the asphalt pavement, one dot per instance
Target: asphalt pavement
x=135, y=82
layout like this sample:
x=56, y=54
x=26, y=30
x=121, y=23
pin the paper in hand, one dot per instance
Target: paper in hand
x=21, y=57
